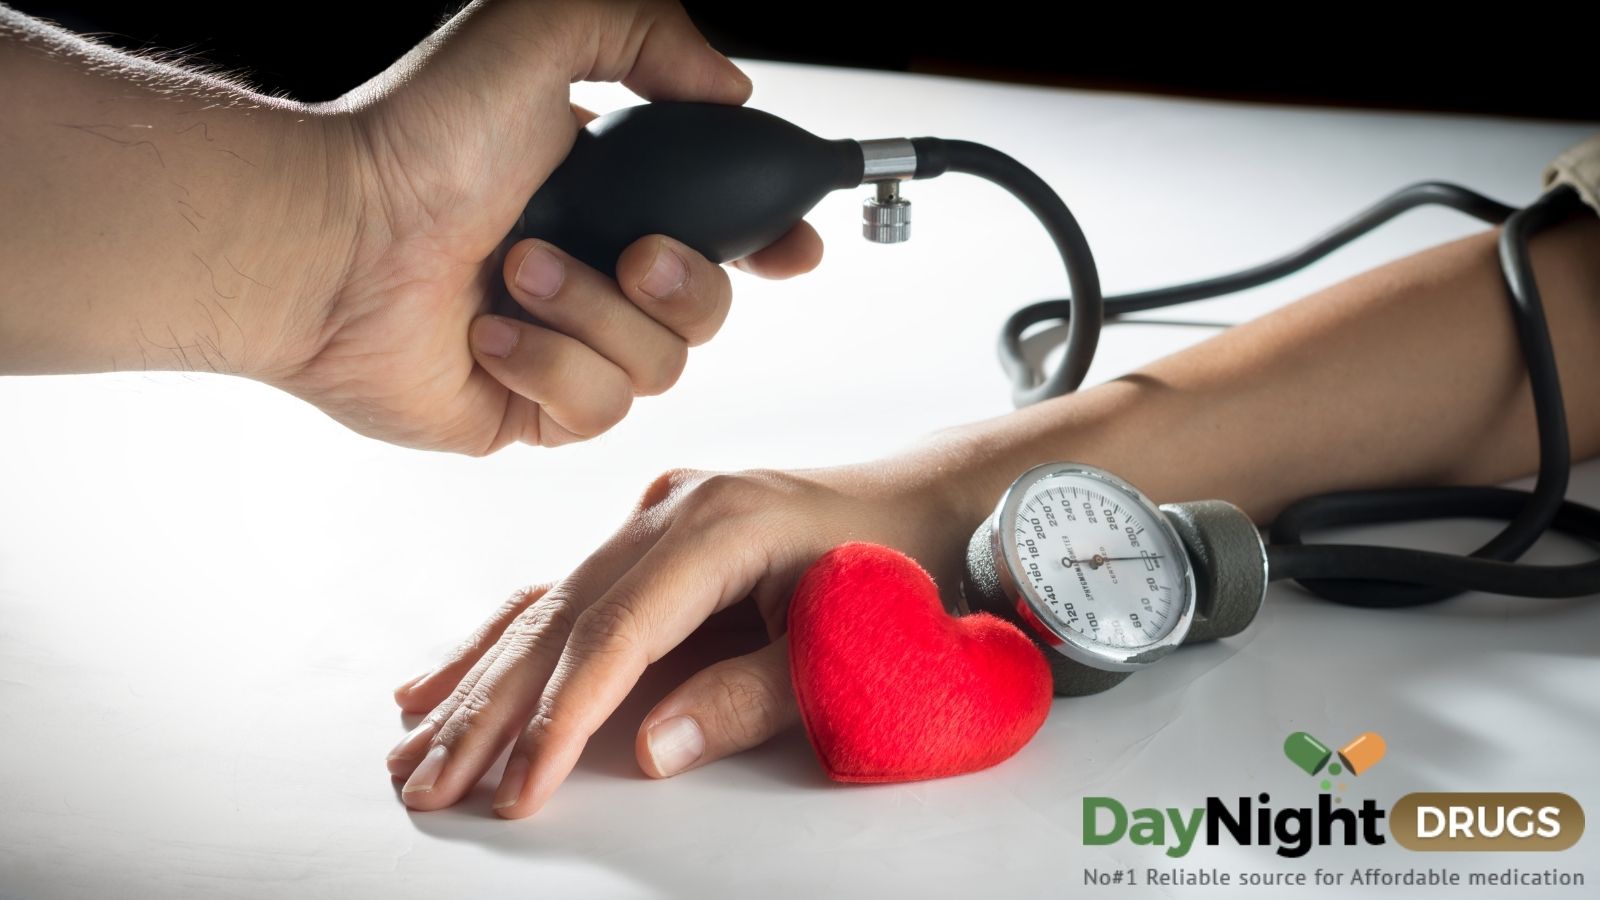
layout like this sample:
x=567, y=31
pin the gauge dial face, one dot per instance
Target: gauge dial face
x=1097, y=562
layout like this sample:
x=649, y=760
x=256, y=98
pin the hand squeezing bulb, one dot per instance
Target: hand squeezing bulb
x=725, y=180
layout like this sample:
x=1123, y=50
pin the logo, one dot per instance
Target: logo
x=1355, y=757
x=1431, y=821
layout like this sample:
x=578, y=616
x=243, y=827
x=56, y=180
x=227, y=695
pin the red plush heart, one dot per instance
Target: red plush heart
x=891, y=687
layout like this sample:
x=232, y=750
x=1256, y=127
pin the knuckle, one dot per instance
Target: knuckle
x=551, y=362
x=663, y=371
x=540, y=723
x=464, y=719
x=508, y=610
x=743, y=707
x=524, y=597
x=606, y=628
x=550, y=616
x=748, y=501
x=459, y=713
x=723, y=496
x=667, y=485
x=610, y=403
x=608, y=397
x=724, y=490
x=547, y=432
x=473, y=706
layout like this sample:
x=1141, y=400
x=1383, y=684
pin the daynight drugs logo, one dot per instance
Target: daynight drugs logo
x=1418, y=821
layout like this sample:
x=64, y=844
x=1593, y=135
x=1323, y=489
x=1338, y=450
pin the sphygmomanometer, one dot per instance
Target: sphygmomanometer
x=1093, y=570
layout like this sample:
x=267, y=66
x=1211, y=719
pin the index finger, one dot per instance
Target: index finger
x=652, y=608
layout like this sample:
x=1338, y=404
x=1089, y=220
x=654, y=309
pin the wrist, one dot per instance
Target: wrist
x=978, y=461
x=306, y=221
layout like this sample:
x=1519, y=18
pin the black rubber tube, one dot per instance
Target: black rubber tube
x=1392, y=577
x=1085, y=311
x=1449, y=573
x=1428, y=193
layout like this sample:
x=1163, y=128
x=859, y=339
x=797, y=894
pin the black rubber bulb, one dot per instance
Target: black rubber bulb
x=725, y=180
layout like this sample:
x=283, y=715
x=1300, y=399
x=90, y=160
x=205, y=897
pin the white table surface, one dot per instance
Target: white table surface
x=208, y=590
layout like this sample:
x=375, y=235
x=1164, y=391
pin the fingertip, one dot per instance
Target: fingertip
x=799, y=251
x=573, y=392
x=678, y=287
x=539, y=775
x=411, y=702
x=402, y=695
x=403, y=692
x=742, y=87
x=667, y=269
x=723, y=709
x=494, y=336
x=412, y=696
x=553, y=434
x=513, y=259
x=676, y=62
x=518, y=806
x=517, y=810
x=508, y=796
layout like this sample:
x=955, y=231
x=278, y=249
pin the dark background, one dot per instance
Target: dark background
x=1514, y=60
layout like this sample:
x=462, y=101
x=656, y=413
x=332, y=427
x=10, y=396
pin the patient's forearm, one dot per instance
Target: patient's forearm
x=1408, y=374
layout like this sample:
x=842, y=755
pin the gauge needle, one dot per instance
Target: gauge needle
x=1096, y=561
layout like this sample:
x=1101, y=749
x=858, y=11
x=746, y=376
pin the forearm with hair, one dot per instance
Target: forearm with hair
x=155, y=217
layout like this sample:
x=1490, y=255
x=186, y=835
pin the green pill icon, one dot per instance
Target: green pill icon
x=1306, y=752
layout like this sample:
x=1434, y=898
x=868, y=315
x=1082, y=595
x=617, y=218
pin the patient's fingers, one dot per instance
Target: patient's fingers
x=731, y=706
x=488, y=706
x=429, y=689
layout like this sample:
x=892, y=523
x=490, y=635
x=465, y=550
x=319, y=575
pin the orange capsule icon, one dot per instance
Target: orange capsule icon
x=1364, y=752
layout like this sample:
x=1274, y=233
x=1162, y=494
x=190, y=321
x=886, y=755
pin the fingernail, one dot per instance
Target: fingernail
x=421, y=781
x=540, y=273
x=666, y=275
x=510, y=790
x=674, y=744
x=494, y=336
x=410, y=746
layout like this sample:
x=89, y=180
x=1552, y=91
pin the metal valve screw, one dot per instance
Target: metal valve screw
x=886, y=218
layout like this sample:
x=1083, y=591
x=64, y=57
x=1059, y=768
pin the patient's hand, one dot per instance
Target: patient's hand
x=554, y=662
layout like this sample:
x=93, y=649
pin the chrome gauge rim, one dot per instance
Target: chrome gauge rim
x=1032, y=608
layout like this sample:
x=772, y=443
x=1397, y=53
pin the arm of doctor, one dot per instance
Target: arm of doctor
x=153, y=217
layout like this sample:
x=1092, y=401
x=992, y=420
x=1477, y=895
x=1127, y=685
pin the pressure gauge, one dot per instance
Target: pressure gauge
x=1107, y=581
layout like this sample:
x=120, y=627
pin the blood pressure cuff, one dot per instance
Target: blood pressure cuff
x=1578, y=166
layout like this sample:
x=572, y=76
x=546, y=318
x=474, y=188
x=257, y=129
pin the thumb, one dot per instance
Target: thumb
x=660, y=55
x=731, y=706
x=495, y=80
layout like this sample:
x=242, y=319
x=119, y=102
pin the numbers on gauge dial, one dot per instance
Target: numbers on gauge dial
x=1098, y=564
